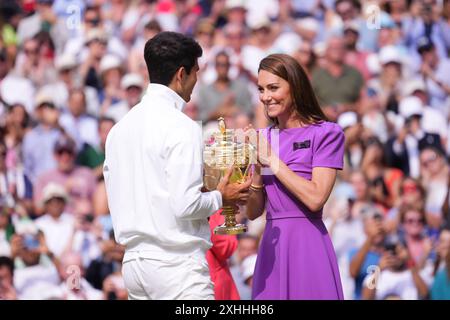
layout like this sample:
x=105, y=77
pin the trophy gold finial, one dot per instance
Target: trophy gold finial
x=222, y=127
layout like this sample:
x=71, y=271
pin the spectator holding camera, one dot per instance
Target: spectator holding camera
x=370, y=253
x=36, y=276
x=384, y=181
x=403, y=150
x=396, y=280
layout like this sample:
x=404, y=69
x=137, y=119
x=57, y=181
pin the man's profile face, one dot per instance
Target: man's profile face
x=189, y=82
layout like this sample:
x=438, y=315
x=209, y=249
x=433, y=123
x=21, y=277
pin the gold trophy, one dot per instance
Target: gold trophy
x=219, y=154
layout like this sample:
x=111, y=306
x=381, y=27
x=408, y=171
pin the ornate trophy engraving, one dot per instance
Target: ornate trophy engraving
x=219, y=154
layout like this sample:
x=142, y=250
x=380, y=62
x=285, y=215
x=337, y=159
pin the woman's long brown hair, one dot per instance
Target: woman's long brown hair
x=305, y=101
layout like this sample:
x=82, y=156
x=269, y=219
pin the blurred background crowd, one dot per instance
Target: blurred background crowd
x=70, y=69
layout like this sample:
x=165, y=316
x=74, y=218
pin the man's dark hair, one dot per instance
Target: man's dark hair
x=166, y=52
x=7, y=262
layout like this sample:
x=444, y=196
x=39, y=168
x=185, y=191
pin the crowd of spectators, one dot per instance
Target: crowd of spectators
x=71, y=69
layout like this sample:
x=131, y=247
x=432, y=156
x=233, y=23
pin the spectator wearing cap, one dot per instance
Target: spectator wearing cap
x=353, y=131
x=337, y=85
x=56, y=224
x=96, y=42
x=433, y=120
x=262, y=41
x=77, y=123
x=68, y=79
x=403, y=149
x=132, y=85
x=44, y=19
x=236, y=11
x=37, y=146
x=435, y=70
x=78, y=181
x=93, y=156
x=388, y=84
x=434, y=170
x=35, y=274
x=224, y=98
x=111, y=72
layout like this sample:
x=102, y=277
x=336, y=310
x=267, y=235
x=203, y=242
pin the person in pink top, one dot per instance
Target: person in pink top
x=79, y=181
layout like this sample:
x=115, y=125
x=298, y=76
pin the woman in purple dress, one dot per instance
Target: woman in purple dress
x=298, y=157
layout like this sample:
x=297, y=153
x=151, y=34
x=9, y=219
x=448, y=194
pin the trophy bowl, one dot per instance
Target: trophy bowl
x=219, y=154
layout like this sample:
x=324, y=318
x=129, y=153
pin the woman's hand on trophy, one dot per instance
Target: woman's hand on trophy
x=265, y=155
x=233, y=192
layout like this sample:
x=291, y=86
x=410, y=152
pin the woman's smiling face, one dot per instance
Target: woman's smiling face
x=275, y=94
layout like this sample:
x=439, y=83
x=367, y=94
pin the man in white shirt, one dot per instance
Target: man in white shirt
x=153, y=176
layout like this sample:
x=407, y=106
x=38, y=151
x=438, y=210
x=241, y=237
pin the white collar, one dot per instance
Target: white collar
x=155, y=88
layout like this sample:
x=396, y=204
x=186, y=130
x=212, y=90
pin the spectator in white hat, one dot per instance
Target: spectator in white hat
x=433, y=120
x=389, y=83
x=111, y=71
x=96, y=42
x=132, y=85
x=56, y=224
x=68, y=79
x=76, y=122
x=37, y=146
x=403, y=149
x=236, y=11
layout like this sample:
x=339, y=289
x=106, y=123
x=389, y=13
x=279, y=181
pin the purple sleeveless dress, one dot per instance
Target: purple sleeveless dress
x=296, y=259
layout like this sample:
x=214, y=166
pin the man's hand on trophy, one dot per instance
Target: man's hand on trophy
x=233, y=193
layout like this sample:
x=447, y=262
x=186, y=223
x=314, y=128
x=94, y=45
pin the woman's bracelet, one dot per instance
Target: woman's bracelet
x=256, y=188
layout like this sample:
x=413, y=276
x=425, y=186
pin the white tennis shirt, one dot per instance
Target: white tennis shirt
x=153, y=175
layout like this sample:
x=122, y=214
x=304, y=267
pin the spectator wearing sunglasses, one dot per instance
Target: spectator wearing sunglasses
x=79, y=181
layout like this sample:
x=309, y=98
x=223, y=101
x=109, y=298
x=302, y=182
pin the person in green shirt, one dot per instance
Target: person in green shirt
x=337, y=85
x=94, y=156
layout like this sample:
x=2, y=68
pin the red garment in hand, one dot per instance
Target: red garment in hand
x=223, y=247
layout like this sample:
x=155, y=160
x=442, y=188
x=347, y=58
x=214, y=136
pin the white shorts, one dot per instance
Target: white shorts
x=177, y=278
